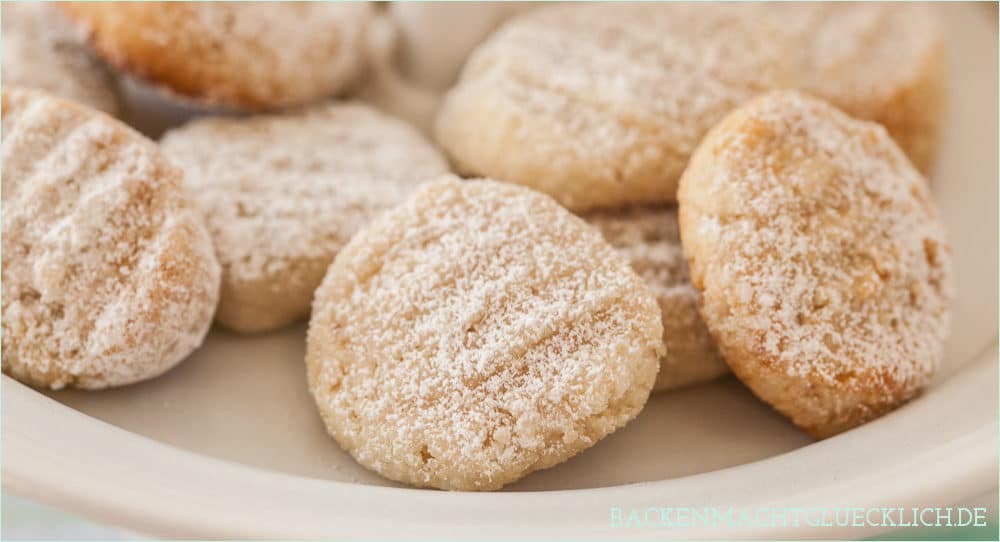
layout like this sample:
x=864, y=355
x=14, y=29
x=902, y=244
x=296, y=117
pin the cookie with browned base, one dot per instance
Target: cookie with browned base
x=822, y=261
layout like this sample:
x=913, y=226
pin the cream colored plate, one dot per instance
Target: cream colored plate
x=229, y=445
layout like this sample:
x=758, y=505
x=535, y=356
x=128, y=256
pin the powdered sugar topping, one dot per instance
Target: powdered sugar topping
x=276, y=190
x=818, y=246
x=476, y=333
x=109, y=276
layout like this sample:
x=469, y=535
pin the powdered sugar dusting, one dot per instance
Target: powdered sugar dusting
x=601, y=105
x=649, y=238
x=281, y=194
x=476, y=333
x=820, y=253
x=109, y=275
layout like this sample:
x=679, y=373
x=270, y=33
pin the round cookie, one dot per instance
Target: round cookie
x=41, y=50
x=108, y=273
x=821, y=259
x=649, y=239
x=602, y=105
x=234, y=54
x=476, y=333
x=281, y=194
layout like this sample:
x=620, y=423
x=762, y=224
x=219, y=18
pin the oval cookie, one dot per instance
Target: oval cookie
x=282, y=193
x=255, y=55
x=476, y=333
x=108, y=273
x=649, y=239
x=601, y=105
x=822, y=261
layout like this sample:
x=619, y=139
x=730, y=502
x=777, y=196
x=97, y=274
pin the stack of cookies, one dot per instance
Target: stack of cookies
x=654, y=196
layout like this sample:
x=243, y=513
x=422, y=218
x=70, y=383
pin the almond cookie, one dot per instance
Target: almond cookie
x=233, y=54
x=649, y=238
x=602, y=105
x=108, y=273
x=43, y=51
x=821, y=259
x=476, y=333
x=281, y=194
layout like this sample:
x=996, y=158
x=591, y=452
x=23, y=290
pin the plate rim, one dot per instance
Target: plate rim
x=124, y=493
x=118, y=487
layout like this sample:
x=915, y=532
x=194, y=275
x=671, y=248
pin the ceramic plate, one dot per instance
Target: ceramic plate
x=228, y=444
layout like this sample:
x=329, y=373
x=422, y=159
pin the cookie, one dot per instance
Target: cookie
x=822, y=262
x=281, y=194
x=602, y=105
x=108, y=273
x=232, y=54
x=476, y=333
x=42, y=50
x=649, y=239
